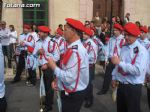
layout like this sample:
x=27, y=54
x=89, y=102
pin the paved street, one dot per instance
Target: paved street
x=26, y=99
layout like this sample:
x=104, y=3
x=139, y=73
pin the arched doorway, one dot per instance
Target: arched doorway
x=103, y=7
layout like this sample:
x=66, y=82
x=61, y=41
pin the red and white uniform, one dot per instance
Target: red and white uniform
x=92, y=50
x=31, y=62
x=73, y=75
x=62, y=44
x=51, y=50
x=114, y=46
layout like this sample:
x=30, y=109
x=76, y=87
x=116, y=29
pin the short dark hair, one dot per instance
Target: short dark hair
x=60, y=25
x=12, y=26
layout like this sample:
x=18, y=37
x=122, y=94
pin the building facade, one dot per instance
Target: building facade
x=54, y=12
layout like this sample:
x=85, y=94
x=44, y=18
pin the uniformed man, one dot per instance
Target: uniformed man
x=113, y=49
x=100, y=46
x=3, y=103
x=73, y=75
x=25, y=39
x=146, y=43
x=5, y=39
x=46, y=47
x=130, y=71
x=92, y=51
x=62, y=44
x=143, y=37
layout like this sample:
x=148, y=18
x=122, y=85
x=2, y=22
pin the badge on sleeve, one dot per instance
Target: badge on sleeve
x=89, y=43
x=136, y=50
x=30, y=38
x=75, y=47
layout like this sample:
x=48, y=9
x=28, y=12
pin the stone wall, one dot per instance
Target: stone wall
x=61, y=9
x=86, y=10
x=139, y=10
x=13, y=16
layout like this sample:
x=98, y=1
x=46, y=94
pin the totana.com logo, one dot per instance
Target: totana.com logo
x=13, y=5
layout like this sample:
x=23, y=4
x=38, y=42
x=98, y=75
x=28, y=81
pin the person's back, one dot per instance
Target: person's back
x=3, y=102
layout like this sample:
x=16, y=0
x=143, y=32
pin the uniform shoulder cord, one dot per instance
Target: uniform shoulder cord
x=77, y=79
x=49, y=49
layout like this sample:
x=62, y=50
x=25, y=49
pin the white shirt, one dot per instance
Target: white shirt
x=2, y=85
x=27, y=39
x=35, y=36
x=92, y=50
x=31, y=62
x=62, y=44
x=44, y=44
x=114, y=42
x=135, y=73
x=68, y=73
x=146, y=44
x=13, y=37
x=4, y=35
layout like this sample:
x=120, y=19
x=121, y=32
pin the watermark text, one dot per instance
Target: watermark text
x=17, y=5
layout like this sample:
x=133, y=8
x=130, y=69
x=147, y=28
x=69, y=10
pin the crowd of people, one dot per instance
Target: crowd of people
x=67, y=60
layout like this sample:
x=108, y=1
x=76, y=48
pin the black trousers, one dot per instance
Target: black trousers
x=89, y=93
x=20, y=65
x=3, y=104
x=48, y=76
x=12, y=49
x=148, y=97
x=107, y=77
x=128, y=97
x=32, y=76
x=7, y=53
x=73, y=101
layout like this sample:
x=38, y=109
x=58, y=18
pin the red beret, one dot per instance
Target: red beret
x=75, y=24
x=118, y=26
x=88, y=31
x=107, y=39
x=44, y=29
x=25, y=26
x=59, y=31
x=132, y=29
x=30, y=49
x=144, y=29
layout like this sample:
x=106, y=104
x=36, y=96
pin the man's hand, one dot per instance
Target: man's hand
x=114, y=84
x=41, y=51
x=54, y=85
x=44, y=67
x=22, y=44
x=106, y=62
x=51, y=63
x=115, y=60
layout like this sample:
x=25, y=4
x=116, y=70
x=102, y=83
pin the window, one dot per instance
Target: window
x=36, y=15
x=1, y=5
